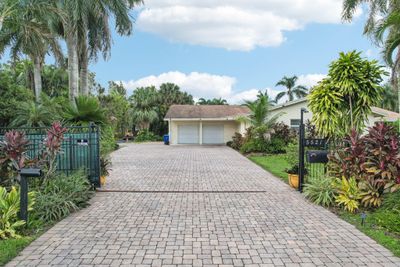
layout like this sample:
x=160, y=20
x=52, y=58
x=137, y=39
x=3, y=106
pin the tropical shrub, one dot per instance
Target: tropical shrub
x=146, y=136
x=237, y=141
x=256, y=145
x=347, y=161
x=283, y=132
x=107, y=140
x=348, y=194
x=144, y=101
x=84, y=110
x=9, y=208
x=57, y=197
x=32, y=114
x=292, y=153
x=52, y=147
x=342, y=101
x=383, y=162
x=105, y=166
x=321, y=191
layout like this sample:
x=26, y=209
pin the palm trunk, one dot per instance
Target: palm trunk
x=1, y=23
x=73, y=66
x=37, y=77
x=84, y=72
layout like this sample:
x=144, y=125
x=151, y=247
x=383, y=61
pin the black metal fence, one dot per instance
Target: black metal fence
x=80, y=148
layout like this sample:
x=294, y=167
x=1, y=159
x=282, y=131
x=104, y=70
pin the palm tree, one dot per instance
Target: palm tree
x=86, y=31
x=26, y=31
x=84, y=110
x=260, y=117
x=292, y=90
x=31, y=114
x=144, y=104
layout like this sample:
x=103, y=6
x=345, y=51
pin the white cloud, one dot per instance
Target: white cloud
x=208, y=85
x=310, y=80
x=234, y=24
x=198, y=84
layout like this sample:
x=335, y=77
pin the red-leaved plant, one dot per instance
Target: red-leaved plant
x=13, y=147
x=52, y=145
x=383, y=162
x=348, y=160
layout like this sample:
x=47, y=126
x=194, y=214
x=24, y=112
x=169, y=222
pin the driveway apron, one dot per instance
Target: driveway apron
x=199, y=206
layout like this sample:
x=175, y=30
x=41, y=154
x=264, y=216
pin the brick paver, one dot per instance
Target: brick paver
x=213, y=208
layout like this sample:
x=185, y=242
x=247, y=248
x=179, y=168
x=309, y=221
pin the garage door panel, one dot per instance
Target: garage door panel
x=213, y=134
x=188, y=134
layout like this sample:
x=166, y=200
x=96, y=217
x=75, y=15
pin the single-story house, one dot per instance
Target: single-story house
x=204, y=124
x=290, y=113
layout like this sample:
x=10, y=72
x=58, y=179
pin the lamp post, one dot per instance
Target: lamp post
x=25, y=173
x=301, y=149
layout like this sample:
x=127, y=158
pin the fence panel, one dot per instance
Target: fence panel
x=80, y=148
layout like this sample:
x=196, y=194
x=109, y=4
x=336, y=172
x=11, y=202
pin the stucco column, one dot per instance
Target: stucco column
x=201, y=133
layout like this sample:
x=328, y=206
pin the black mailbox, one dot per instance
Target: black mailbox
x=317, y=156
x=30, y=172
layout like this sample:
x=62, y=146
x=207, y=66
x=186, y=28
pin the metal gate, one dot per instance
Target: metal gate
x=313, y=154
x=80, y=148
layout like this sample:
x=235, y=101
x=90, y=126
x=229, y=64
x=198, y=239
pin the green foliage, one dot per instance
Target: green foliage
x=146, y=136
x=31, y=114
x=237, y=141
x=105, y=166
x=321, y=191
x=214, y=101
x=292, y=153
x=343, y=100
x=348, y=194
x=107, y=140
x=283, y=132
x=117, y=109
x=256, y=145
x=144, y=102
x=84, y=110
x=57, y=197
x=9, y=208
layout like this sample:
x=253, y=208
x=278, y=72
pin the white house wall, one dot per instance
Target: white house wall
x=293, y=112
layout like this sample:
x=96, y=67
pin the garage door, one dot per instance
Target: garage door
x=188, y=134
x=213, y=134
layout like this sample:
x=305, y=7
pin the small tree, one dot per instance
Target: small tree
x=342, y=101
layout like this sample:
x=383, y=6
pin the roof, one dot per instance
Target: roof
x=387, y=114
x=378, y=112
x=206, y=111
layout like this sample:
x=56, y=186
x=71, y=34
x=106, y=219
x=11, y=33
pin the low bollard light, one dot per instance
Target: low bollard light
x=25, y=173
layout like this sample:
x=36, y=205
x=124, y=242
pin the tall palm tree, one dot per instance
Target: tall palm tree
x=292, y=90
x=26, y=31
x=259, y=112
x=87, y=31
x=144, y=104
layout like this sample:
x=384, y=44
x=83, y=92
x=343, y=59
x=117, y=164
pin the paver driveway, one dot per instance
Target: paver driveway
x=213, y=207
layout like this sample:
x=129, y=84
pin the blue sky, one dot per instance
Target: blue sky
x=232, y=48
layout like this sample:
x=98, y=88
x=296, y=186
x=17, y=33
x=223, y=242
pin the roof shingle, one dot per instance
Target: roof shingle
x=206, y=111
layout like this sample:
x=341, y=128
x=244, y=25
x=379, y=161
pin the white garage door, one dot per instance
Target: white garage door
x=188, y=134
x=213, y=134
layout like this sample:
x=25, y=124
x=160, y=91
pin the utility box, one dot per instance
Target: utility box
x=317, y=156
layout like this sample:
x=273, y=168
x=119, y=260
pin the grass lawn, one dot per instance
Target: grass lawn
x=382, y=224
x=11, y=247
x=275, y=164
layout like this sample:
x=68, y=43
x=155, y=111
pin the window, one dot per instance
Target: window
x=295, y=123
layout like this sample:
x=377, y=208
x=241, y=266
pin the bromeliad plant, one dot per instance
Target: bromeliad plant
x=348, y=194
x=9, y=208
